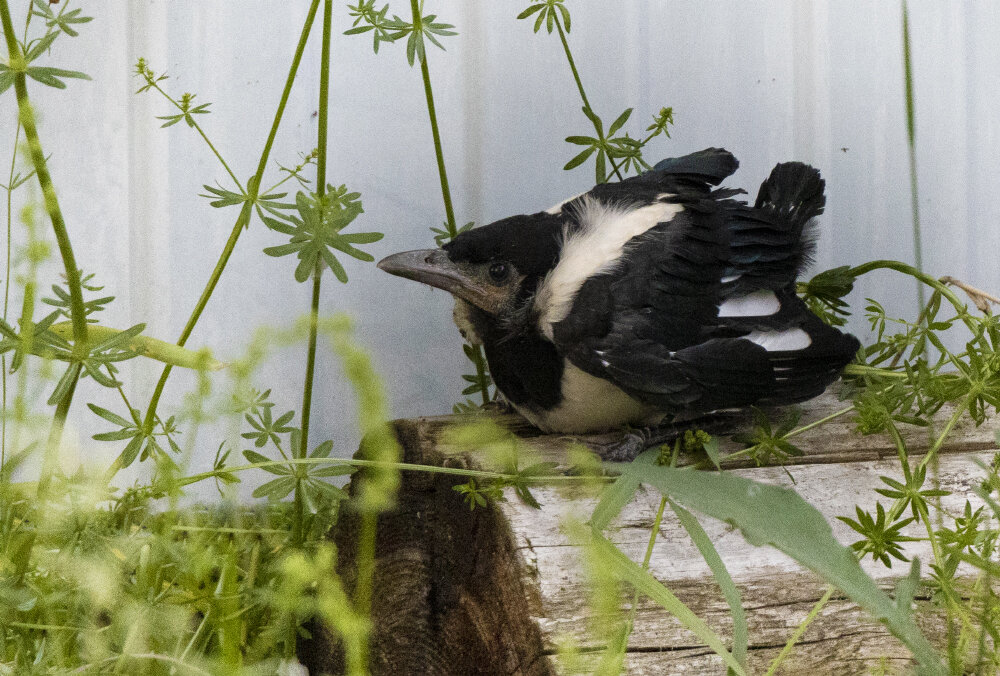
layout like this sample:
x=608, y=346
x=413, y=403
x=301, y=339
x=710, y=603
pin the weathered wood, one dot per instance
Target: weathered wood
x=449, y=584
x=516, y=580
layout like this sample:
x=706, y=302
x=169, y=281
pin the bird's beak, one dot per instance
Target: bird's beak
x=434, y=268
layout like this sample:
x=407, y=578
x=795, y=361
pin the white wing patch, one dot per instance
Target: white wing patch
x=757, y=304
x=780, y=341
x=596, y=247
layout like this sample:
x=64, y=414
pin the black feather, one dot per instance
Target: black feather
x=771, y=242
x=649, y=323
x=711, y=165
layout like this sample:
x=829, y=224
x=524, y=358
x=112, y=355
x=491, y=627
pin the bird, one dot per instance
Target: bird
x=657, y=298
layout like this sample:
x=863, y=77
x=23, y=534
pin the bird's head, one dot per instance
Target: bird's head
x=495, y=268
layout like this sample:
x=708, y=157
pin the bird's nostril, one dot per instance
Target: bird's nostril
x=428, y=258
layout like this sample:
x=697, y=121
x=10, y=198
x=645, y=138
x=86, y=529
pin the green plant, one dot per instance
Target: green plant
x=97, y=578
x=419, y=28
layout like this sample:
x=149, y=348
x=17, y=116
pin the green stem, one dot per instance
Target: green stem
x=307, y=388
x=27, y=118
x=77, y=313
x=949, y=426
x=865, y=370
x=190, y=119
x=439, y=153
x=449, y=210
x=923, y=277
x=480, y=361
x=579, y=86
x=799, y=631
x=911, y=136
x=654, y=531
x=572, y=63
x=821, y=421
x=55, y=434
x=904, y=456
x=6, y=291
x=310, y=362
x=797, y=431
x=401, y=466
x=241, y=222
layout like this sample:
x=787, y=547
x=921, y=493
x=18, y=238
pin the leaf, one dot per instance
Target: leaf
x=524, y=493
x=66, y=382
x=565, y=15
x=257, y=458
x=340, y=469
x=614, y=498
x=741, y=632
x=712, y=451
x=41, y=46
x=600, y=172
x=619, y=121
x=539, y=469
x=276, y=489
x=327, y=491
x=323, y=450
x=580, y=159
x=282, y=250
x=50, y=76
x=131, y=451
x=623, y=568
x=801, y=532
x=117, y=435
x=531, y=10
x=109, y=416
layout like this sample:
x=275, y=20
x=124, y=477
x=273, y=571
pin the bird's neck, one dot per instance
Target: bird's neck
x=474, y=324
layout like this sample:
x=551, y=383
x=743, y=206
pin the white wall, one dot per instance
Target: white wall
x=771, y=81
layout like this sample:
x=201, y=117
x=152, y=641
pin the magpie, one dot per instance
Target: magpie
x=657, y=298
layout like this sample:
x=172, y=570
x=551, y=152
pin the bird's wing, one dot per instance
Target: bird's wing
x=698, y=309
x=692, y=174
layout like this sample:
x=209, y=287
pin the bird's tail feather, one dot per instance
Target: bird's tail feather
x=771, y=242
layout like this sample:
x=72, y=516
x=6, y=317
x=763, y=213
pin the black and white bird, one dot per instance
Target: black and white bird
x=644, y=300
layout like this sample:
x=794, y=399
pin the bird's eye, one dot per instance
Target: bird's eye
x=499, y=272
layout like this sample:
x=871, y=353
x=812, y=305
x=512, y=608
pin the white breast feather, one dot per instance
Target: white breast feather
x=590, y=404
x=596, y=247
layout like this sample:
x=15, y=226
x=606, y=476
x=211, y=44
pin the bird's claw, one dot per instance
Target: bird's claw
x=616, y=446
x=628, y=445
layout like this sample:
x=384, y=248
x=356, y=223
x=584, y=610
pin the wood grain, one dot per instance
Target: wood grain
x=522, y=590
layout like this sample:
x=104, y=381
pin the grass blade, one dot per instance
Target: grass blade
x=802, y=533
x=623, y=568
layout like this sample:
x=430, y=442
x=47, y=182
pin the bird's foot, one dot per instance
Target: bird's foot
x=627, y=446
x=499, y=405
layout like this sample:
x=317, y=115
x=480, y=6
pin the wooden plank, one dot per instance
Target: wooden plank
x=544, y=573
